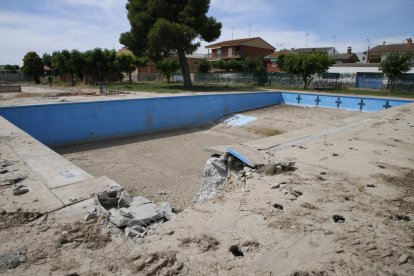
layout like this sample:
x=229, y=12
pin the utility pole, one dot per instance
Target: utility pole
x=334, y=37
x=250, y=28
x=369, y=44
x=232, y=32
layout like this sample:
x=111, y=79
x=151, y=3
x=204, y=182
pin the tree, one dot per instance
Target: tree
x=203, y=66
x=305, y=65
x=168, y=67
x=163, y=28
x=33, y=66
x=125, y=63
x=11, y=67
x=78, y=63
x=100, y=64
x=394, y=67
x=254, y=65
x=47, y=60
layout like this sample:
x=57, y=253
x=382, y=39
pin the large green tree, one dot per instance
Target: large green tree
x=33, y=66
x=168, y=67
x=305, y=65
x=79, y=63
x=395, y=66
x=162, y=28
x=127, y=63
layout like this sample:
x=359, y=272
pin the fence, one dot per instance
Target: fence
x=13, y=76
x=321, y=81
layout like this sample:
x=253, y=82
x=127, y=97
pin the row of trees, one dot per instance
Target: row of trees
x=248, y=65
x=89, y=66
x=10, y=67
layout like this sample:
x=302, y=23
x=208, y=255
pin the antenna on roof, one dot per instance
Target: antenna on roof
x=232, y=32
x=250, y=28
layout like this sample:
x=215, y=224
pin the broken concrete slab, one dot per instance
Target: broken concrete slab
x=125, y=199
x=220, y=150
x=247, y=155
x=139, y=200
x=165, y=208
x=214, y=176
x=117, y=218
x=72, y=213
x=85, y=189
x=144, y=215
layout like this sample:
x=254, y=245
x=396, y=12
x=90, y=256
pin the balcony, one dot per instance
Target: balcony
x=218, y=56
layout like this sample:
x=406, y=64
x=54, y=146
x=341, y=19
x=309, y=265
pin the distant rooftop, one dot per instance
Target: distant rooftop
x=254, y=42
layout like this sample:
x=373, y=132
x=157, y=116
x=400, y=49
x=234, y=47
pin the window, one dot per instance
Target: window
x=273, y=63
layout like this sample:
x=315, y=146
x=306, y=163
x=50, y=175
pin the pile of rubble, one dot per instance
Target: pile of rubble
x=220, y=169
x=133, y=214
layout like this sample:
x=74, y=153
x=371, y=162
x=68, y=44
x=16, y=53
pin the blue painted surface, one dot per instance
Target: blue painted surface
x=70, y=123
x=59, y=124
x=241, y=157
x=340, y=102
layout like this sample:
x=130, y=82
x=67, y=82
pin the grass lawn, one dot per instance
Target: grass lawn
x=159, y=87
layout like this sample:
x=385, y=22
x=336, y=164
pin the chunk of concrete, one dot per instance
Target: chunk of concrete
x=214, y=176
x=125, y=199
x=131, y=233
x=139, y=200
x=165, y=208
x=144, y=214
x=91, y=216
x=118, y=219
x=125, y=212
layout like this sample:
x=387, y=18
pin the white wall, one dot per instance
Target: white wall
x=358, y=69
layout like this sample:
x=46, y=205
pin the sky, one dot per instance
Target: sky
x=51, y=25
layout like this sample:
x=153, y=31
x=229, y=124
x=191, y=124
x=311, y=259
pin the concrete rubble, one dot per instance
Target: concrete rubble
x=214, y=176
x=133, y=214
x=220, y=169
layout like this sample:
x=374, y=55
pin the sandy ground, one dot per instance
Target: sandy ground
x=168, y=166
x=346, y=209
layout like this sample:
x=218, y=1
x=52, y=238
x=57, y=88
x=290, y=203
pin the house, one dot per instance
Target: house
x=150, y=71
x=381, y=52
x=239, y=49
x=349, y=57
x=328, y=50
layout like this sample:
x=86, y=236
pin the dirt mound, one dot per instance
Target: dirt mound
x=8, y=220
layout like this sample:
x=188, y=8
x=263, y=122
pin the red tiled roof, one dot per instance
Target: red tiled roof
x=401, y=48
x=231, y=42
x=236, y=42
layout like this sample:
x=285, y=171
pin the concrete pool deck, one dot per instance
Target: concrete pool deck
x=360, y=168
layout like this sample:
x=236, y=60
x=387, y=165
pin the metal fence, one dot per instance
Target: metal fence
x=320, y=81
x=13, y=76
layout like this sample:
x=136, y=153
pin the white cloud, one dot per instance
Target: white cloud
x=237, y=6
x=58, y=29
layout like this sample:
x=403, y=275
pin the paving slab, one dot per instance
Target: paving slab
x=51, y=168
x=247, y=155
x=79, y=191
x=72, y=213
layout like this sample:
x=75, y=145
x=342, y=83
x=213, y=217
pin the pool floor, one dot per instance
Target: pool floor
x=168, y=166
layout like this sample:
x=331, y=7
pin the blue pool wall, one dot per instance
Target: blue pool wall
x=362, y=104
x=73, y=123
